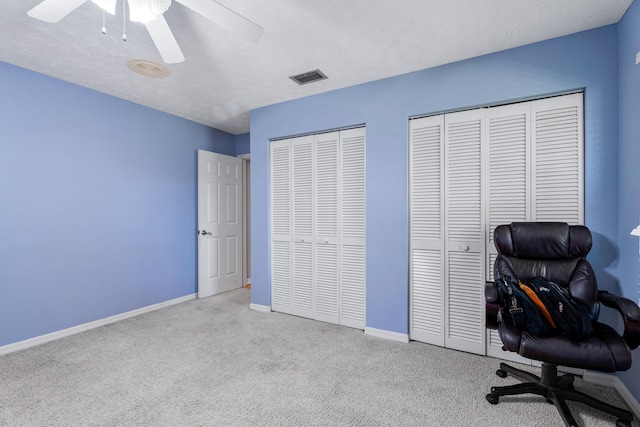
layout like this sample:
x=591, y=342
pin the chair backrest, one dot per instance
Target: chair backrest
x=554, y=250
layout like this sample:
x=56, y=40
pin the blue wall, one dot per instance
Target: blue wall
x=586, y=60
x=98, y=204
x=628, y=170
x=243, y=141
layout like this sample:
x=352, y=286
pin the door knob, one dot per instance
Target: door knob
x=205, y=233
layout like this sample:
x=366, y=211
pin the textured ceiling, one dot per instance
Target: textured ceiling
x=224, y=77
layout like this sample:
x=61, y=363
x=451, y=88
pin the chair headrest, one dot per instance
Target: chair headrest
x=543, y=240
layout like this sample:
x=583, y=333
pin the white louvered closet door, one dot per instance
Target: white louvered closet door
x=318, y=227
x=557, y=158
x=492, y=166
x=302, y=213
x=427, y=294
x=464, y=232
x=326, y=268
x=508, y=181
x=281, y=289
x=352, y=228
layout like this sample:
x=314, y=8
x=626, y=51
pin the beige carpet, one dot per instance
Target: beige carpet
x=214, y=362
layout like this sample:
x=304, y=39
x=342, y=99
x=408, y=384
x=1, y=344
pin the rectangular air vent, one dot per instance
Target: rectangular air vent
x=308, y=77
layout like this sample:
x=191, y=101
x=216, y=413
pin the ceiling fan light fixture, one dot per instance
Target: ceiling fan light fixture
x=144, y=11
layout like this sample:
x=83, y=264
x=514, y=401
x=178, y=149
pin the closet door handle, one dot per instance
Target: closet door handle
x=464, y=247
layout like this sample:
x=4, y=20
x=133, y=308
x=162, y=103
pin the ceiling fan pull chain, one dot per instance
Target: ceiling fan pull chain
x=124, y=20
x=104, y=26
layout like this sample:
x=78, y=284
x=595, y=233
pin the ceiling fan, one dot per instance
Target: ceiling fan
x=150, y=13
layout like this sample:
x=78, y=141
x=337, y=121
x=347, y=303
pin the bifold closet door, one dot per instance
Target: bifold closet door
x=281, y=207
x=327, y=271
x=352, y=219
x=302, y=199
x=427, y=299
x=318, y=226
x=469, y=172
x=446, y=231
x=464, y=232
x=508, y=137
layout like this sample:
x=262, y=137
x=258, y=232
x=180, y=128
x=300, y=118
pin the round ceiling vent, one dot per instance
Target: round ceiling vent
x=148, y=68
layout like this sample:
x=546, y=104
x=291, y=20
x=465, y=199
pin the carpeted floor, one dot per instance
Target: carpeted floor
x=214, y=362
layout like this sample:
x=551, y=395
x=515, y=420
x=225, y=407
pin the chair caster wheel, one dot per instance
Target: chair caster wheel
x=492, y=399
x=623, y=423
x=501, y=373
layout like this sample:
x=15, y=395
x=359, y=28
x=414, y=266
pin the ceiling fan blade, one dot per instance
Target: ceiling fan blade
x=225, y=17
x=54, y=10
x=165, y=41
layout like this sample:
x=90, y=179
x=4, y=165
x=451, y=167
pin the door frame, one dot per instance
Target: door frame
x=246, y=218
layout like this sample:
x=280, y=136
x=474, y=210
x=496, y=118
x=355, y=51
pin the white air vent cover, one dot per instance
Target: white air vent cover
x=308, y=77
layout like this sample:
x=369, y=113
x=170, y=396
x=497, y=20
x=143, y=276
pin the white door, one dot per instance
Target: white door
x=281, y=205
x=219, y=223
x=427, y=230
x=464, y=232
x=327, y=274
x=302, y=215
x=352, y=234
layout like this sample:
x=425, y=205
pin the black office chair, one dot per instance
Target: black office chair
x=557, y=252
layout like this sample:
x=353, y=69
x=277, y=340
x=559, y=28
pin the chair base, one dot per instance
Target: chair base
x=557, y=390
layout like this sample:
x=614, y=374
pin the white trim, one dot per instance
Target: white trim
x=260, y=308
x=42, y=339
x=610, y=380
x=387, y=335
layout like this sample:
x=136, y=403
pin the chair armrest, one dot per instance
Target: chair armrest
x=630, y=315
x=492, y=301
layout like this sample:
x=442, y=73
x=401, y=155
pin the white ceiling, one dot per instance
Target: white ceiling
x=224, y=77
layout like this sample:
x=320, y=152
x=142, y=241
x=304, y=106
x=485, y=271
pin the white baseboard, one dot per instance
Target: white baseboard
x=388, y=335
x=260, y=308
x=32, y=342
x=610, y=380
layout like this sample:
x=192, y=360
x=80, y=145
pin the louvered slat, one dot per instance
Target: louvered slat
x=280, y=190
x=353, y=186
x=302, y=187
x=427, y=296
x=326, y=283
x=352, y=282
x=492, y=262
x=302, y=304
x=507, y=165
x=464, y=178
x=426, y=183
x=327, y=185
x=465, y=321
x=558, y=159
x=281, y=276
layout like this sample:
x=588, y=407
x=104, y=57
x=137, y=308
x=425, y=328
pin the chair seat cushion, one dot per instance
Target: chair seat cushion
x=603, y=351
